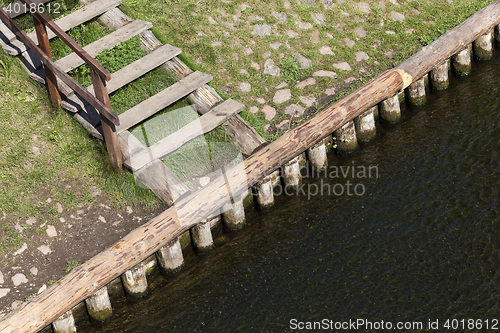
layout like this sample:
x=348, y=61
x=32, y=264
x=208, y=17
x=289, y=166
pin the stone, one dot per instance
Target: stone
x=244, y=71
x=304, y=62
x=271, y=69
x=287, y=5
x=307, y=82
x=323, y=73
x=255, y=65
x=256, y=18
x=389, y=55
x=304, y=25
x=244, y=6
x=42, y=289
x=295, y=111
x=49, y=200
x=307, y=101
x=397, y=16
x=34, y=271
x=261, y=30
x=281, y=17
x=211, y=20
x=328, y=4
x=254, y=109
x=18, y=228
x=261, y=100
x=129, y=210
x=23, y=248
x=291, y=33
x=394, y=2
x=266, y=55
x=51, y=231
x=330, y=91
x=409, y=31
x=44, y=249
x=361, y=56
x=247, y=51
x=349, y=42
x=381, y=5
x=360, y=32
x=318, y=18
x=36, y=151
x=19, y=279
x=315, y=37
x=310, y=3
x=59, y=208
x=236, y=57
x=275, y=45
x=344, y=66
x=216, y=44
x=281, y=85
x=94, y=191
x=31, y=221
x=364, y=7
x=1, y=278
x=4, y=292
x=350, y=80
x=245, y=87
x=269, y=112
x=326, y=50
x=390, y=32
x=283, y=125
x=282, y=96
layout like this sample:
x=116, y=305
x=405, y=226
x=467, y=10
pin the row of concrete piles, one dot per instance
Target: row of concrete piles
x=345, y=139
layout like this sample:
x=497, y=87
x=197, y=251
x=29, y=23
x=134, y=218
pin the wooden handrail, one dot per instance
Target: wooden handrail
x=103, y=110
x=70, y=42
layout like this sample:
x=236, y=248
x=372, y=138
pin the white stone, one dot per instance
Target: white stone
x=95, y=191
x=261, y=100
x=275, y=45
x=303, y=61
x=129, y=210
x=1, y=278
x=343, y=66
x=364, y=7
x=360, y=32
x=326, y=50
x=36, y=151
x=261, y=30
x=294, y=110
x=245, y=87
x=271, y=69
x=307, y=101
x=266, y=55
x=361, y=56
x=281, y=85
x=349, y=42
x=307, y=82
x=323, y=73
x=318, y=18
x=390, y=32
x=282, y=96
x=269, y=111
x=18, y=279
x=102, y=219
x=397, y=16
x=18, y=228
x=34, y=271
x=281, y=17
x=244, y=71
x=4, y=292
x=255, y=65
x=328, y=4
x=59, y=208
x=51, y=231
x=254, y=109
x=217, y=43
x=248, y=51
x=291, y=33
x=304, y=25
x=44, y=249
x=42, y=289
x=31, y=221
x=256, y=18
x=23, y=248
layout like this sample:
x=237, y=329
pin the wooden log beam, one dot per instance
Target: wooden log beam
x=450, y=43
x=59, y=72
x=86, y=279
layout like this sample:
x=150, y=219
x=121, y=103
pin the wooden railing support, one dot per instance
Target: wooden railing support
x=108, y=128
x=43, y=42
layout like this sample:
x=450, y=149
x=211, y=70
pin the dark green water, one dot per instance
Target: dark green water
x=422, y=243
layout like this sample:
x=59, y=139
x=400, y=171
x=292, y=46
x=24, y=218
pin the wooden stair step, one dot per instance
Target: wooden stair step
x=72, y=20
x=206, y=123
x=158, y=102
x=127, y=74
x=126, y=32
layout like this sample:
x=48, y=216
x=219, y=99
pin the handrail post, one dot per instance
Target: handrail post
x=43, y=41
x=108, y=128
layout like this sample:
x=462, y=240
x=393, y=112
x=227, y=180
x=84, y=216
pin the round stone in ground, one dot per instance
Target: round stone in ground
x=361, y=56
x=315, y=37
x=304, y=25
x=364, y=7
x=254, y=109
x=282, y=96
x=247, y=51
x=245, y=87
x=328, y=4
x=261, y=100
x=270, y=68
x=307, y=82
x=330, y=91
x=318, y=18
x=275, y=45
x=360, y=32
x=283, y=125
x=350, y=80
x=307, y=101
x=304, y=62
x=19, y=279
x=269, y=111
x=343, y=66
x=295, y=111
x=281, y=17
x=261, y=30
x=397, y=16
x=323, y=73
x=326, y=50
x=349, y=42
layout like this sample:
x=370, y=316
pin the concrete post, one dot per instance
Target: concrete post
x=64, y=324
x=416, y=93
x=234, y=215
x=135, y=282
x=439, y=77
x=265, y=195
x=365, y=125
x=390, y=110
x=346, y=138
x=99, y=305
x=202, y=236
x=462, y=61
x=170, y=257
x=291, y=173
x=317, y=155
x=483, y=47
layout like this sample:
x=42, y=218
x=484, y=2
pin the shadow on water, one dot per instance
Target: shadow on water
x=421, y=243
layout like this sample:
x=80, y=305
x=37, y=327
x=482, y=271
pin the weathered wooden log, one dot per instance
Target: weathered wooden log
x=365, y=125
x=291, y=173
x=346, y=138
x=99, y=305
x=440, y=79
x=86, y=279
x=264, y=194
x=416, y=93
x=317, y=155
x=233, y=215
x=483, y=46
x=134, y=281
x=462, y=61
x=170, y=257
x=201, y=234
x=390, y=110
x=450, y=43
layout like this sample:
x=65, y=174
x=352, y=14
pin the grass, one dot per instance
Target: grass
x=70, y=265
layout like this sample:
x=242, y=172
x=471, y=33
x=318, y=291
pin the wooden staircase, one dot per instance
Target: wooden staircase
x=189, y=83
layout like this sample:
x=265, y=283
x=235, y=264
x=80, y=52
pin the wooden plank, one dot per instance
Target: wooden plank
x=61, y=74
x=108, y=42
x=450, y=43
x=70, y=21
x=20, y=5
x=158, y=102
x=6, y=34
x=86, y=279
x=207, y=122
